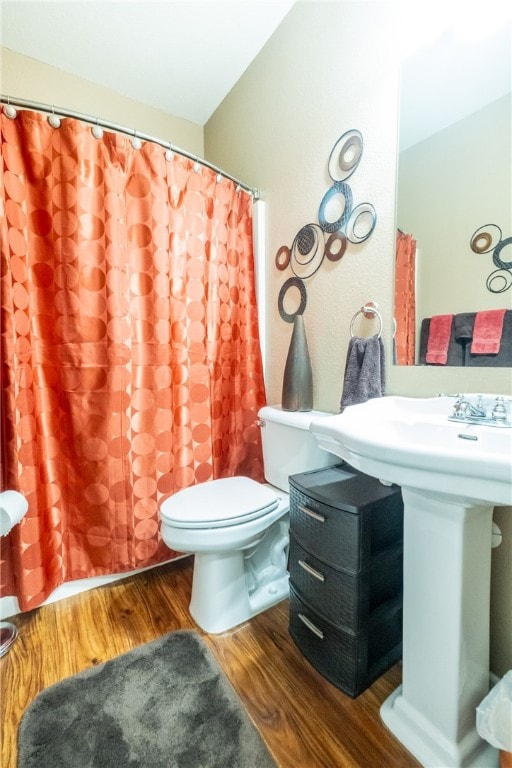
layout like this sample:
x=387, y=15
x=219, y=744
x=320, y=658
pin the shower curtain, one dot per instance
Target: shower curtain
x=405, y=299
x=131, y=364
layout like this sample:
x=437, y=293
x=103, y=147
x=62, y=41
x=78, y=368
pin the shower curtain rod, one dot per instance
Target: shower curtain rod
x=60, y=112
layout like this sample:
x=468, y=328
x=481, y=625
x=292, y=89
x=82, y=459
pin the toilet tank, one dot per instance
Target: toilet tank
x=288, y=445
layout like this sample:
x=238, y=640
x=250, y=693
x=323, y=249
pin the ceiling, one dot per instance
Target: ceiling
x=180, y=56
x=184, y=56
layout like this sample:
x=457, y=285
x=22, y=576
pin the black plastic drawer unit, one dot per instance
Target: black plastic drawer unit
x=346, y=570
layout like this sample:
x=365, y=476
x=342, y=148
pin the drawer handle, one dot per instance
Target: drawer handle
x=309, y=624
x=312, y=571
x=315, y=515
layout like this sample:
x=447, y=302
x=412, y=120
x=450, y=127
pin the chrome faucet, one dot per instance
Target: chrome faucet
x=465, y=410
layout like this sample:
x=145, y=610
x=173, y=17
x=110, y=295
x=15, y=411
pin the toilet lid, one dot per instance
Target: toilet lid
x=219, y=503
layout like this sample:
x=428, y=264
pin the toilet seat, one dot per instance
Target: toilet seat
x=219, y=503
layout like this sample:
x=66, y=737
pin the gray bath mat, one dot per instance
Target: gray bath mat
x=166, y=704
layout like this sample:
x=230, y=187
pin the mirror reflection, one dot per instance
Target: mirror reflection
x=454, y=190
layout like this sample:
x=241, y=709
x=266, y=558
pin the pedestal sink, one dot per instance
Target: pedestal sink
x=452, y=474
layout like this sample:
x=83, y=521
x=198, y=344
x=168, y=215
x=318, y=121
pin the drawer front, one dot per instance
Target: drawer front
x=340, y=598
x=340, y=658
x=361, y=507
x=332, y=535
x=343, y=599
x=350, y=662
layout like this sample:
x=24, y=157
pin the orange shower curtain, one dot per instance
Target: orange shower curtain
x=405, y=299
x=131, y=364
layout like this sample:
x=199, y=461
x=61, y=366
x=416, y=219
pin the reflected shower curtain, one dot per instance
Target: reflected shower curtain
x=131, y=363
x=405, y=299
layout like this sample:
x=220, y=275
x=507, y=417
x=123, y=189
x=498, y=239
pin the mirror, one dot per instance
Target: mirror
x=454, y=176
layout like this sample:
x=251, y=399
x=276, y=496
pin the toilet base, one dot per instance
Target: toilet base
x=229, y=588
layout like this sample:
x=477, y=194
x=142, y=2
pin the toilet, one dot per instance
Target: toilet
x=237, y=528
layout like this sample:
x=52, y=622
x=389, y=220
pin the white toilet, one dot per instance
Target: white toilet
x=238, y=528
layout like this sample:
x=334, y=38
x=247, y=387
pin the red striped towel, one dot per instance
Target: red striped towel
x=438, y=339
x=487, y=332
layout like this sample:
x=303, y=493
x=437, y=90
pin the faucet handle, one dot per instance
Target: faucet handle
x=460, y=407
x=499, y=412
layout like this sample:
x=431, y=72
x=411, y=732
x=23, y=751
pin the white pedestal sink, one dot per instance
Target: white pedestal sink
x=452, y=475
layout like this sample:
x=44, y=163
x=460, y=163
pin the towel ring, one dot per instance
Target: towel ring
x=366, y=310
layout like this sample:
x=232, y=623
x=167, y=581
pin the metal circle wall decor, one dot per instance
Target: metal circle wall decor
x=292, y=282
x=335, y=246
x=489, y=238
x=336, y=207
x=283, y=257
x=345, y=155
x=499, y=281
x=338, y=223
x=496, y=254
x=307, y=251
x=485, y=238
x=361, y=223
x=304, y=244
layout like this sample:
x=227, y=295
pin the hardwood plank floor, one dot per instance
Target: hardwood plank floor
x=305, y=721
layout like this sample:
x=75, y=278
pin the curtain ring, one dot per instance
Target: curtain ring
x=97, y=130
x=53, y=119
x=10, y=111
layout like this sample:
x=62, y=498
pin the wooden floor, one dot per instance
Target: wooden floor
x=305, y=721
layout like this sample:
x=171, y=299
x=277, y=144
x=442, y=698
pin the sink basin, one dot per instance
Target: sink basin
x=409, y=441
x=452, y=474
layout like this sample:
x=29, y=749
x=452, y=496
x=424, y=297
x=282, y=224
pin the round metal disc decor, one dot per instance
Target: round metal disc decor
x=485, y=238
x=361, y=223
x=499, y=281
x=345, y=155
x=307, y=251
x=292, y=282
x=335, y=246
x=335, y=207
x=496, y=257
x=283, y=257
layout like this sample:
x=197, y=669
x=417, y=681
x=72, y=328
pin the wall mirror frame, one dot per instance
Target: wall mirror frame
x=454, y=175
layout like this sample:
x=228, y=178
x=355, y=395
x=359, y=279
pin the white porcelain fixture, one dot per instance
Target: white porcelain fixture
x=238, y=528
x=452, y=473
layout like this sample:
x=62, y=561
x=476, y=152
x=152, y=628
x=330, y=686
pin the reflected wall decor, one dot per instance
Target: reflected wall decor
x=489, y=238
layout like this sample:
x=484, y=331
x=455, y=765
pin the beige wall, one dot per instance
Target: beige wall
x=25, y=78
x=330, y=67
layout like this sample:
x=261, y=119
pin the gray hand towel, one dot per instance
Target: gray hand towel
x=365, y=375
x=463, y=326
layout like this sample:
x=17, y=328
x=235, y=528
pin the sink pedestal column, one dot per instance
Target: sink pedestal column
x=447, y=570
